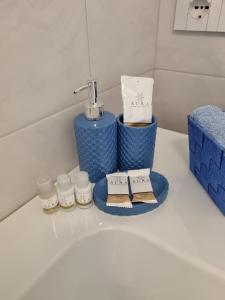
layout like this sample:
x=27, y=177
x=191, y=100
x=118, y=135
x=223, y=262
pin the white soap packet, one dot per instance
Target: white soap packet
x=137, y=99
x=141, y=186
x=118, y=191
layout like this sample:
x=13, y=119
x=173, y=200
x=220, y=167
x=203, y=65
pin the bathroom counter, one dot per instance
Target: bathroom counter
x=188, y=224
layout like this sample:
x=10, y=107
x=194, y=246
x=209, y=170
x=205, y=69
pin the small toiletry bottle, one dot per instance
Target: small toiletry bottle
x=83, y=189
x=47, y=194
x=66, y=192
x=96, y=136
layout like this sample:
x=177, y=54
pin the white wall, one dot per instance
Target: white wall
x=47, y=49
x=190, y=70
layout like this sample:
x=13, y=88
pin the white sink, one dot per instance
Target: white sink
x=174, y=252
x=120, y=265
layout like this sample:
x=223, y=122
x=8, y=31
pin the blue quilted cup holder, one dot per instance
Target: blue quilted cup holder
x=136, y=145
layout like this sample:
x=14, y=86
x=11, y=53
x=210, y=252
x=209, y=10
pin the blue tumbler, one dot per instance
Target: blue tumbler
x=136, y=145
x=96, y=137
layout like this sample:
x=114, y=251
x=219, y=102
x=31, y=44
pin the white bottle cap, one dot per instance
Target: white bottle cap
x=45, y=186
x=82, y=180
x=63, y=182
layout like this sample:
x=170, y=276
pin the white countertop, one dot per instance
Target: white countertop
x=187, y=224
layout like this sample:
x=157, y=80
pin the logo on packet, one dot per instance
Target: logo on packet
x=139, y=102
x=118, y=180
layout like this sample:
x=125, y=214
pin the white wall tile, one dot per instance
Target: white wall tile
x=122, y=38
x=194, y=52
x=177, y=94
x=46, y=147
x=112, y=100
x=43, y=57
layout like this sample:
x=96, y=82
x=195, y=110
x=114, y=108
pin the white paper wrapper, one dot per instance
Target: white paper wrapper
x=137, y=99
x=117, y=183
x=141, y=186
x=140, y=181
x=118, y=191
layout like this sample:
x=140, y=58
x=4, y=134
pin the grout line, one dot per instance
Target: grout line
x=118, y=84
x=186, y=22
x=15, y=210
x=102, y=92
x=88, y=41
x=146, y=71
x=156, y=39
x=63, y=109
x=48, y=116
x=42, y=119
x=191, y=73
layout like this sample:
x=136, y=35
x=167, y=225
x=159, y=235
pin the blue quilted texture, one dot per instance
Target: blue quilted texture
x=97, y=145
x=207, y=162
x=136, y=145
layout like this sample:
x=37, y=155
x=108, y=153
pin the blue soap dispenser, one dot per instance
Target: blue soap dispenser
x=96, y=136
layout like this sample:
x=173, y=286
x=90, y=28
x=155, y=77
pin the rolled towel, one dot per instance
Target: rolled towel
x=212, y=119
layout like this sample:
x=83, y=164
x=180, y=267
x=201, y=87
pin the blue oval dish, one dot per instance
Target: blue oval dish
x=160, y=187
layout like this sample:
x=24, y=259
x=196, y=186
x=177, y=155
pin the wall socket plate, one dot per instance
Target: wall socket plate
x=200, y=15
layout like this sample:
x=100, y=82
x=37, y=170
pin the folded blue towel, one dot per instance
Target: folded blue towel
x=212, y=119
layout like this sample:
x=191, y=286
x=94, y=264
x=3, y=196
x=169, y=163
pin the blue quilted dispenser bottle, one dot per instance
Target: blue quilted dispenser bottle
x=96, y=136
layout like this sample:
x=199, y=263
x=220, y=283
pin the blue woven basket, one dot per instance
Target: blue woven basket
x=207, y=162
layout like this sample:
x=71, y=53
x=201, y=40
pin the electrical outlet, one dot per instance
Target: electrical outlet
x=200, y=15
x=199, y=9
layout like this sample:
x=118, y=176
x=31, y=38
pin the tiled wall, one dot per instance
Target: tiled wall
x=190, y=70
x=47, y=49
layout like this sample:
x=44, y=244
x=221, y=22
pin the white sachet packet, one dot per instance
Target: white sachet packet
x=118, y=191
x=137, y=99
x=141, y=186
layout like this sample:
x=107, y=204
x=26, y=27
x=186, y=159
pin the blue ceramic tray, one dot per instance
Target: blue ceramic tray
x=160, y=187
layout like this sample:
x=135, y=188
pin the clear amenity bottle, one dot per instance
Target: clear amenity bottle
x=47, y=194
x=66, y=193
x=83, y=189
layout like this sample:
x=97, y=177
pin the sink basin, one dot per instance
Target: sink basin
x=121, y=265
